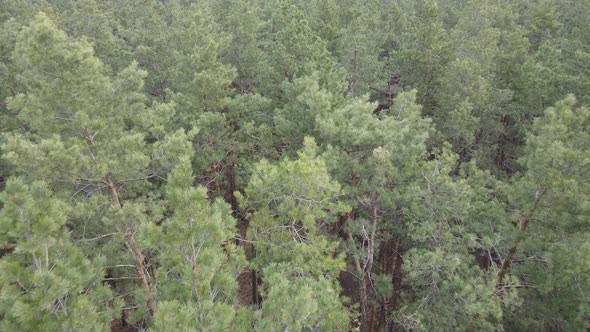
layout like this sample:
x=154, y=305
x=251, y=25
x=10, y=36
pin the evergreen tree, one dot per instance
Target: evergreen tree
x=124, y=124
x=197, y=262
x=95, y=20
x=294, y=50
x=297, y=118
x=299, y=303
x=362, y=51
x=47, y=283
x=451, y=220
x=544, y=260
x=86, y=142
x=423, y=54
x=376, y=159
x=292, y=203
x=177, y=43
x=241, y=19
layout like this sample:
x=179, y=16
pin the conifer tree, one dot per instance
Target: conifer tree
x=376, y=159
x=292, y=203
x=123, y=124
x=423, y=54
x=46, y=282
x=361, y=56
x=241, y=19
x=294, y=50
x=197, y=260
x=178, y=45
x=545, y=254
x=455, y=229
x=86, y=140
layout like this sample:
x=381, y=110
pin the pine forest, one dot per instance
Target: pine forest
x=295, y=165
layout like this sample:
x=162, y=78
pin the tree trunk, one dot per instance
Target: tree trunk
x=507, y=262
x=131, y=244
x=365, y=273
x=390, y=264
x=231, y=188
x=363, y=298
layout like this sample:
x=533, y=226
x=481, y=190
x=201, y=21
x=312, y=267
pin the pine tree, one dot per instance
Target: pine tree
x=294, y=50
x=47, y=283
x=95, y=20
x=451, y=220
x=241, y=19
x=423, y=54
x=87, y=141
x=297, y=117
x=376, y=159
x=299, y=303
x=178, y=45
x=544, y=260
x=292, y=203
x=361, y=55
x=197, y=261
x=125, y=123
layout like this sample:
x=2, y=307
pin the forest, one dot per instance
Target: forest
x=295, y=165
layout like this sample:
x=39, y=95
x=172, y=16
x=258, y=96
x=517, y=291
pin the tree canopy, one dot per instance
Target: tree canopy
x=295, y=165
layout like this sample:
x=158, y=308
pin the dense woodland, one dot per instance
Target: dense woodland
x=301, y=165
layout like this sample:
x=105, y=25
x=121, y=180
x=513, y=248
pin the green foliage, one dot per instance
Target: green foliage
x=297, y=118
x=376, y=159
x=245, y=164
x=176, y=43
x=448, y=288
x=242, y=20
x=299, y=303
x=362, y=54
x=553, y=213
x=83, y=141
x=47, y=283
x=294, y=50
x=67, y=103
x=423, y=53
x=292, y=202
x=198, y=264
